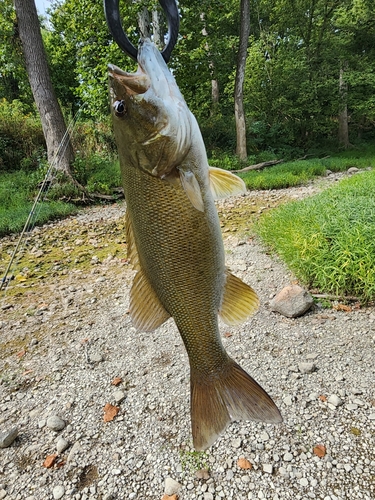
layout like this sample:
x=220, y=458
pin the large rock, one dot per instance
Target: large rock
x=292, y=301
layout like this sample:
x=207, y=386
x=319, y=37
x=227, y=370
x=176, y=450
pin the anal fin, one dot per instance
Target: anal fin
x=239, y=301
x=229, y=395
x=146, y=310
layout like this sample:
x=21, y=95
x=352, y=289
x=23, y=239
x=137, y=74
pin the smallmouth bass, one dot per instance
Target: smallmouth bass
x=175, y=243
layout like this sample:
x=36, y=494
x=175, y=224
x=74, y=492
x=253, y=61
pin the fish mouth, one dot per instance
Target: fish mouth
x=132, y=83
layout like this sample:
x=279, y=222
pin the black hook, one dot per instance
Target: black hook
x=112, y=14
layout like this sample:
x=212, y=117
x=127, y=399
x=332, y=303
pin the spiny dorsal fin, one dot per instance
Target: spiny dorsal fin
x=146, y=310
x=132, y=253
x=192, y=189
x=239, y=301
x=224, y=183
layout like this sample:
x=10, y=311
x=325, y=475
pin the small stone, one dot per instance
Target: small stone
x=119, y=396
x=55, y=423
x=307, y=367
x=264, y=437
x=202, y=474
x=96, y=358
x=303, y=481
x=288, y=457
x=58, y=492
x=171, y=487
x=371, y=416
x=236, y=443
x=268, y=468
x=61, y=445
x=292, y=301
x=351, y=406
x=208, y=496
x=76, y=448
x=335, y=400
x=353, y=170
x=3, y=494
x=288, y=400
x=7, y=437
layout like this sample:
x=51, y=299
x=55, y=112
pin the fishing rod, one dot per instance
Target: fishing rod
x=44, y=188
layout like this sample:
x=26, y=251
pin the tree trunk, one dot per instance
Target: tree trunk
x=241, y=149
x=144, y=22
x=59, y=149
x=343, y=113
x=215, y=92
x=157, y=31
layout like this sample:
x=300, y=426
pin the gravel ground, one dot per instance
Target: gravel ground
x=61, y=361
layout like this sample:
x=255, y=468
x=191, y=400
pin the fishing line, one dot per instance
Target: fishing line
x=44, y=188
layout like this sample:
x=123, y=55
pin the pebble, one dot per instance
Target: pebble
x=335, y=400
x=8, y=436
x=96, y=358
x=268, y=468
x=171, y=487
x=76, y=448
x=288, y=457
x=3, y=494
x=55, y=423
x=119, y=396
x=58, y=492
x=307, y=367
x=236, y=443
x=61, y=445
x=292, y=301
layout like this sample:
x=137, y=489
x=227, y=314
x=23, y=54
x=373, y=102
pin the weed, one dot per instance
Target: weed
x=193, y=460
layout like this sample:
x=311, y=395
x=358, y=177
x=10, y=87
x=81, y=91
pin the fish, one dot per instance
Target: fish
x=175, y=242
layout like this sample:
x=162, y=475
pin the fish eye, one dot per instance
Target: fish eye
x=119, y=107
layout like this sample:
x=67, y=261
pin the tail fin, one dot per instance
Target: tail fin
x=230, y=395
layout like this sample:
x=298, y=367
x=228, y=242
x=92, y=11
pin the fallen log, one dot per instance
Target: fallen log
x=258, y=166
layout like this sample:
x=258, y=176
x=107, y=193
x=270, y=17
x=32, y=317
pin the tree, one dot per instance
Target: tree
x=59, y=149
x=241, y=149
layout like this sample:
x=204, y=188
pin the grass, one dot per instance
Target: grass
x=328, y=240
x=18, y=190
x=295, y=173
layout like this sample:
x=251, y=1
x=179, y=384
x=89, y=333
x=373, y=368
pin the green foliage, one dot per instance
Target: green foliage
x=329, y=240
x=97, y=172
x=295, y=173
x=17, y=191
x=21, y=137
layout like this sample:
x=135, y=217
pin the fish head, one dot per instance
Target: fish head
x=152, y=122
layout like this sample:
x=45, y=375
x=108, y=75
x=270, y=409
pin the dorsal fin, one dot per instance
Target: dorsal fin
x=239, y=301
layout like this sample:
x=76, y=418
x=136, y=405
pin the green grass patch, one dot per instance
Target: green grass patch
x=17, y=191
x=328, y=240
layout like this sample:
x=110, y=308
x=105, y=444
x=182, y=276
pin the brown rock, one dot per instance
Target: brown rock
x=292, y=301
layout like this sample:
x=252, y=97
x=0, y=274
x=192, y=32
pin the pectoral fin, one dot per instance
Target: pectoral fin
x=224, y=183
x=146, y=310
x=239, y=301
x=192, y=189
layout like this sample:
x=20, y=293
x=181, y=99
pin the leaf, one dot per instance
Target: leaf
x=319, y=450
x=110, y=412
x=323, y=398
x=355, y=431
x=21, y=353
x=49, y=461
x=116, y=381
x=342, y=307
x=170, y=497
x=243, y=463
x=227, y=335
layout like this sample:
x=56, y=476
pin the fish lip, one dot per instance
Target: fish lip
x=112, y=68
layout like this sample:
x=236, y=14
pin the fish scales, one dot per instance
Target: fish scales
x=180, y=252
x=175, y=243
